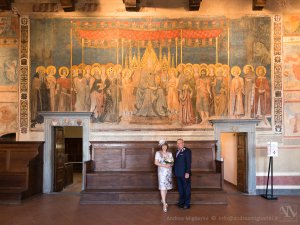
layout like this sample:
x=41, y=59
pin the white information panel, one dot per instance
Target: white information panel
x=273, y=149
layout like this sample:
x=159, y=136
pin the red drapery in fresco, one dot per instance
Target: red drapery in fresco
x=139, y=35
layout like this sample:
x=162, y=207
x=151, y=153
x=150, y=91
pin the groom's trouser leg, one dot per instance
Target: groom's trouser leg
x=187, y=191
x=181, y=190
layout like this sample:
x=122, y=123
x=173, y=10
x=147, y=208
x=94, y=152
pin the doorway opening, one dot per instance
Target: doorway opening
x=68, y=157
x=234, y=154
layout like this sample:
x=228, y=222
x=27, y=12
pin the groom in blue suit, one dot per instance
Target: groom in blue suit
x=182, y=170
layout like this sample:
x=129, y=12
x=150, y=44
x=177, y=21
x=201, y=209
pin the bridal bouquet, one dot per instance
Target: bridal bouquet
x=168, y=160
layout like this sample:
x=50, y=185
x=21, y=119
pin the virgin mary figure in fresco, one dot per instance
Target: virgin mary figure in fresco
x=146, y=95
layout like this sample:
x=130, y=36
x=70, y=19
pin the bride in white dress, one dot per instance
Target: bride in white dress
x=164, y=161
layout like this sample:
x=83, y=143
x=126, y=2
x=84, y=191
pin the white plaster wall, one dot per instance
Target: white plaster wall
x=287, y=162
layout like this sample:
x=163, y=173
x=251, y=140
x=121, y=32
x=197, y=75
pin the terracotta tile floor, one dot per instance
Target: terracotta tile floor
x=64, y=209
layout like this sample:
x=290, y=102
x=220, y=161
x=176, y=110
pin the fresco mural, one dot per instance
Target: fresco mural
x=292, y=119
x=8, y=74
x=291, y=66
x=8, y=118
x=145, y=72
x=291, y=75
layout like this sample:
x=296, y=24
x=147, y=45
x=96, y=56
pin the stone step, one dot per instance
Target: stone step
x=149, y=196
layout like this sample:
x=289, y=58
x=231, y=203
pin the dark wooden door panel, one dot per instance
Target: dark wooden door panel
x=241, y=162
x=59, y=159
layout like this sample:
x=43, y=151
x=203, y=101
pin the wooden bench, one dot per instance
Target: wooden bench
x=21, y=170
x=124, y=173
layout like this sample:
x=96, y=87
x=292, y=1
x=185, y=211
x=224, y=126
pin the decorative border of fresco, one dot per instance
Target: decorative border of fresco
x=24, y=74
x=277, y=74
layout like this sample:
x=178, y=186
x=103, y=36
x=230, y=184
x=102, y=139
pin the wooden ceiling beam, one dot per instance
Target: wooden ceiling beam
x=5, y=4
x=132, y=5
x=68, y=5
x=194, y=5
x=258, y=4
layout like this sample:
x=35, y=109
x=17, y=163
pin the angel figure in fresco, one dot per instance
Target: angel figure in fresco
x=51, y=81
x=186, y=113
x=97, y=94
x=220, y=89
x=63, y=90
x=127, y=103
x=172, y=97
x=249, y=80
x=79, y=85
x=203, y=95
x=262, y=100
x=236, y=93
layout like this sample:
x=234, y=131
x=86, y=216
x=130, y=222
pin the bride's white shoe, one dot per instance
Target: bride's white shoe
x=165, y=207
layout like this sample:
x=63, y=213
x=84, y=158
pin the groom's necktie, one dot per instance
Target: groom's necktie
x=178, y=151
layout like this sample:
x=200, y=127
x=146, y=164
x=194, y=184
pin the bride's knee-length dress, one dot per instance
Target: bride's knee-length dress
x=164, y=174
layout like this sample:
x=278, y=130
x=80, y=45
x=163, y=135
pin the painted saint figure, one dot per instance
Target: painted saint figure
x=88, y=79
x=97, y=94
x=39, y=93
x=64, y=90
x=51, y=81
x=212, y=78
x=249, y=79
x=262, y=101
x=127, y=103
x=220, y=89
x=111, y=95
x=186, y=114
x=172, y=97
x=79, y=84
x=236, y=92
x=203, y=95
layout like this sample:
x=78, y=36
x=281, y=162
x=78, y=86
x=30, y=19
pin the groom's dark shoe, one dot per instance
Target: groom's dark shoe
x=180, y=205
x=186, y=207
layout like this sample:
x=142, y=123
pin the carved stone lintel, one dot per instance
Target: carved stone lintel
x=258, y=4
x=132, y=5
x=194, y=5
